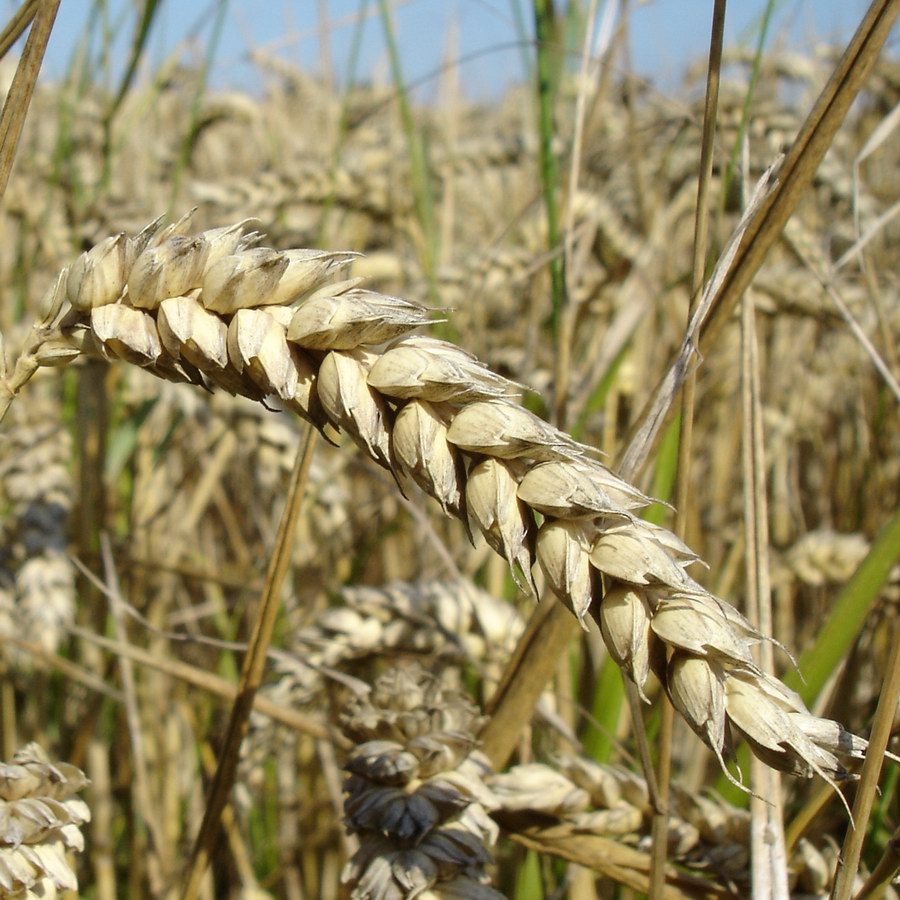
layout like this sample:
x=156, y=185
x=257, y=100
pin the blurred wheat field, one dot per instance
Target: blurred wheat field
x=139, y=516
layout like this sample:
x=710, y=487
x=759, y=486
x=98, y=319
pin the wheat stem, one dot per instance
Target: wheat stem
x=251, y=675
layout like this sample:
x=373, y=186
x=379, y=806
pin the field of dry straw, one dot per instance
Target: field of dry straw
x=274, y=520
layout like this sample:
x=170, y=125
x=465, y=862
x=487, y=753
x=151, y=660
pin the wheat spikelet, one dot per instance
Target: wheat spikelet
x=41, y=819
x=824, y=556
x=510, y=466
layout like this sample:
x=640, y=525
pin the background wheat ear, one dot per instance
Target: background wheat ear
x=42, y=819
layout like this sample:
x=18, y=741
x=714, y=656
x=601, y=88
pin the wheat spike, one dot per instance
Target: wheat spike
x=453, y=622
x=474, y=443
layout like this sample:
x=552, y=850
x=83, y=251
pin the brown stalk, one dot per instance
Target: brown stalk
x=868, y=780
x=198, y=678
x=251, y=674
x=140, y=787
x=70, y=670
x=16, y=26
x=569, y=312
x=885, y=872
x=767, y=841
x=611, y=859
x=531, y=667
x=239, y=852
x=12, y=118
x=103, y=815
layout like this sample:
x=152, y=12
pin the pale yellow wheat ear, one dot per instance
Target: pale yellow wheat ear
x=40, y=824
x=217, y=310
x=452, y=623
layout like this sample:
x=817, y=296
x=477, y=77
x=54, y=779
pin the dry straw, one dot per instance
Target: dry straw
x=216, y=310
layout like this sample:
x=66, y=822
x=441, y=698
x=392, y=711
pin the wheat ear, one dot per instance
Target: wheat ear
x=217, y=310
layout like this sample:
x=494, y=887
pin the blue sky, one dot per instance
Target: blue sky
x=666, y=34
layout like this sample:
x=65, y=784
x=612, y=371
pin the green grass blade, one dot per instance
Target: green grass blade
x=529, y=883
x=421, y=180
x=545, y=29
x=609, y=696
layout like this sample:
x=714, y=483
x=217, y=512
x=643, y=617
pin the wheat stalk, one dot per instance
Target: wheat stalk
x=215, y=309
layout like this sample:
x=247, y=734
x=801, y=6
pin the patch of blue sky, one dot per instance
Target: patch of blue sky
x=487, y=42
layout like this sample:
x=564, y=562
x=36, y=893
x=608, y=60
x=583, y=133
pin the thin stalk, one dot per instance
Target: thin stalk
x=685, y=444
x=868, y=779
x=885, y=872
x=252, y=672
x=142, y=800
x=12, y=119
x=16, y=26
x=525, y=679
x=9, y=740
x=196, y=677
x=748, y=99
x=806, y=154
x=768, y=856
x=565, y=333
